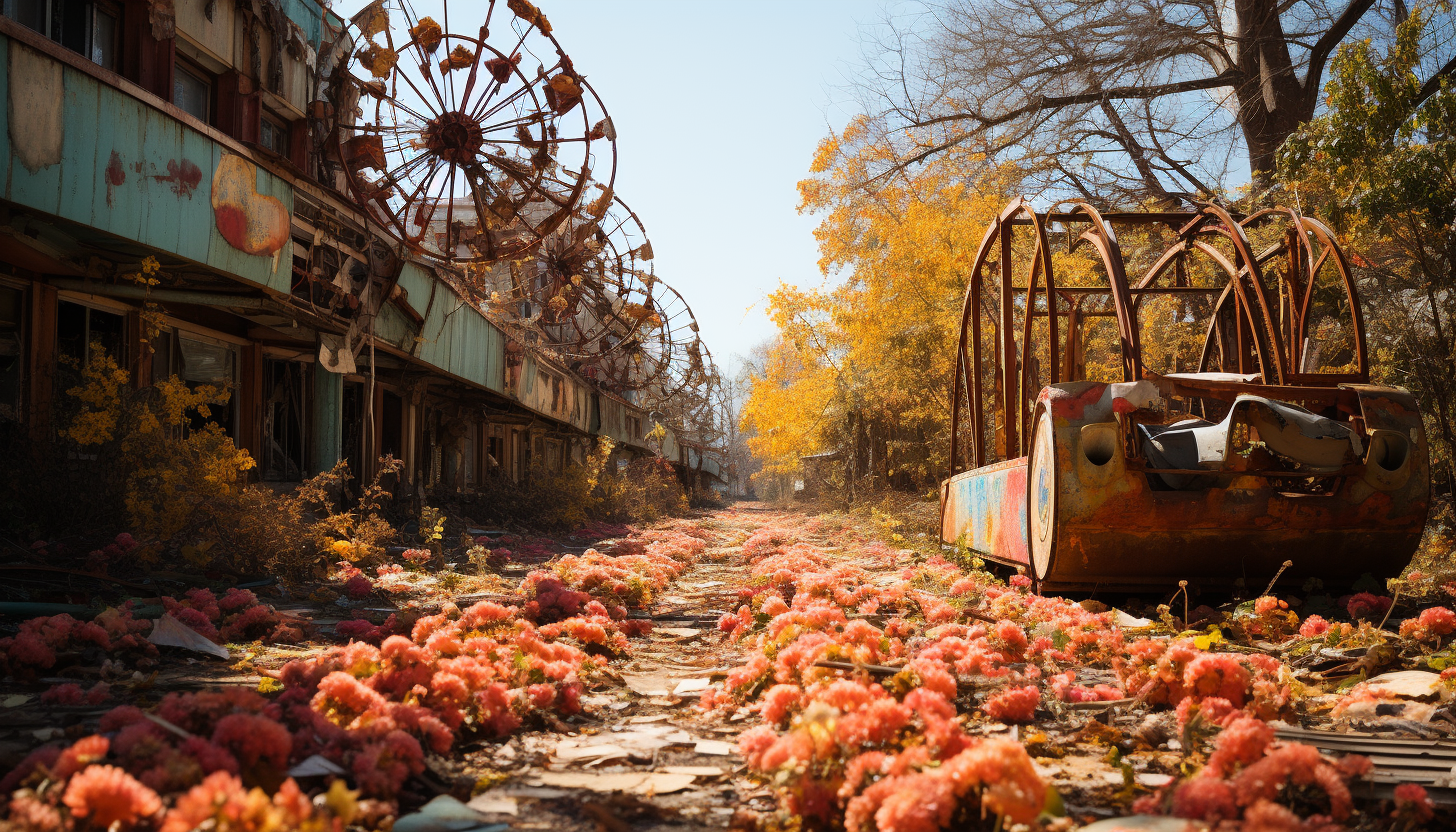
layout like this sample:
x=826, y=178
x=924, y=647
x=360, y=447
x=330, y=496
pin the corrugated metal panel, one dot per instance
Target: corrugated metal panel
x=542, y=385
x=393, y=326
x=455, y=337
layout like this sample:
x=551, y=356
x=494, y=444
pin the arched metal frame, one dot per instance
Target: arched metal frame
x=1253, y=328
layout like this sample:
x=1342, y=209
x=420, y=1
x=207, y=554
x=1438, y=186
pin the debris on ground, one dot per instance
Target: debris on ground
x=745, y=668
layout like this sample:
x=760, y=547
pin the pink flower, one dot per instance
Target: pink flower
x=1014, y=704
x=217, y=793
x=106, y=795
x=82, y=753
x=1366, y=605
x=1412, y=802
x=358, y=587
x=1313, y=627
x=254, y=739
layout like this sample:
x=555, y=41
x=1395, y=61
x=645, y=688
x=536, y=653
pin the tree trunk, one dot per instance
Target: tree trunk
x=1272, y=101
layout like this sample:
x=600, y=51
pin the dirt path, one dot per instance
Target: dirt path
x=643, y=755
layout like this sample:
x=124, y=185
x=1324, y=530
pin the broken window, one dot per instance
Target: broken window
x=273, y=134
x=285, y=446
x=12, y=360
x=353, y=428
x=198, y=363
x=495, y=448
x=84, y=27
x=192, y=91
x=79, y=326
x=391, y=426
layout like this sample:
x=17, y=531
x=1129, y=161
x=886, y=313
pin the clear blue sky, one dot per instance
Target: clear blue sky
x=718, y=106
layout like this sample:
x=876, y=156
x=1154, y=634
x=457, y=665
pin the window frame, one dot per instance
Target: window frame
x=184, y=66
x=22, y=333
x=113, y=11
x=279, y=126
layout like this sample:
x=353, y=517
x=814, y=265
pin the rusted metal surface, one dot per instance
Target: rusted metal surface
x=1271, y=446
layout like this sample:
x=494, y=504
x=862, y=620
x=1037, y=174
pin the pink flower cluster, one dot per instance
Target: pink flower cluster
x=91, y=784
x=1432, y=624
x=235, y=617
x=70, y=693
x=1247, y=775
x=101, y=559
x=856, y=752
x=360, y=629
x=1165, y=673
x=598, y=530
x=61, y=640
x=890, y=752
x=483, y=668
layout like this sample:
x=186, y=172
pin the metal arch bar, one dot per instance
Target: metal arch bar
x=1351, y=293
x=1101, y=236
x=1242, y=309
x=1006, y=341
x=971, y=317
x=1041, y=263
x=1235, y=232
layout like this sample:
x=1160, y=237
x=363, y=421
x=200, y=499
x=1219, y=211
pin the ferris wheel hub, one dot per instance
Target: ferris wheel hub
x=454, y=136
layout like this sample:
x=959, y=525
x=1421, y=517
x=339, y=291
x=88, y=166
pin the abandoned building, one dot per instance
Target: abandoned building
x=194, y=133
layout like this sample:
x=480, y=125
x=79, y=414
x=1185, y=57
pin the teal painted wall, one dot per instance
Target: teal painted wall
x=135, y=172
x=328, y=419
x=455, y=337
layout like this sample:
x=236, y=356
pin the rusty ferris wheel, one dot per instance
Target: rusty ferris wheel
x=474, y=139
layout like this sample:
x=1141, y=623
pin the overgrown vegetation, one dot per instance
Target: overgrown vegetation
x=601, y=489
x=150, y=459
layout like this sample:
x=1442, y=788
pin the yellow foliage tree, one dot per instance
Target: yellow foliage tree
x=864, y=367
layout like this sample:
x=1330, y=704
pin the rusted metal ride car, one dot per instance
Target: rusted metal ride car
x=1266, y=443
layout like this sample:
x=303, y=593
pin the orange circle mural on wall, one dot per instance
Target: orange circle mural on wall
x=251, y=222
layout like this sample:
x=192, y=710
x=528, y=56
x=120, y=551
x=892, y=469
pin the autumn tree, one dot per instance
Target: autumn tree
x=1380, y=165
x=864, y=366
x=1117, y=103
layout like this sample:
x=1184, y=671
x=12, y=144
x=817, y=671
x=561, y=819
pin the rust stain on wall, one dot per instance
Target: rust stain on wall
x=115, y=175
x=183, y=176
x=251, y=222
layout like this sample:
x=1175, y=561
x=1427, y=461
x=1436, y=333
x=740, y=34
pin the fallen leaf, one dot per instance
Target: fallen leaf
x=635, y=782
x=589, y=752
x=696, y=771
x=646, y=685
x=691, y=686
x=315, y=766
x=490, y=804
x=1141, y=823
x=714, y=747
x=446, y=814
x=169, y=632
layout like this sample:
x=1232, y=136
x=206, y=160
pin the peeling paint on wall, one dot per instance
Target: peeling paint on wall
x=251, y=222
x=37, y=123
x=115, y=176
x=183, y=176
